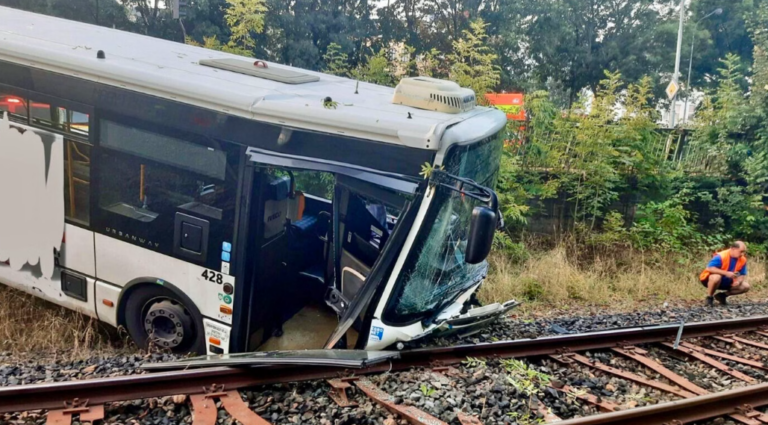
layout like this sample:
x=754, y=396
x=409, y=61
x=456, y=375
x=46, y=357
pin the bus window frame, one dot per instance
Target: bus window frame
x=233, y=151
x=90, y=140
x=66, y=104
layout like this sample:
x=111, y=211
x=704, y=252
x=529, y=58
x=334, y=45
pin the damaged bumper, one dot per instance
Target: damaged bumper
x=475, y=319
x=451, y=322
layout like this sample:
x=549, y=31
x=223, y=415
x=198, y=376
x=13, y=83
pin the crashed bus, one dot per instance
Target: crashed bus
x=214, y=203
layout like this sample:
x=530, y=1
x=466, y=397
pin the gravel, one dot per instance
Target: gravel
x=497, y=391
x=513, y=328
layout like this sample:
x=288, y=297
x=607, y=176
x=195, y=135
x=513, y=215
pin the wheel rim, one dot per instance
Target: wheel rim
x=167, y=324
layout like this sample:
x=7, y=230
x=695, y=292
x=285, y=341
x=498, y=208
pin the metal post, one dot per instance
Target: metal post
x=677, y=62
x=688, y=84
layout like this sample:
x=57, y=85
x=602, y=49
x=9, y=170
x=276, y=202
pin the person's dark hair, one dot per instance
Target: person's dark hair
x=735, y=245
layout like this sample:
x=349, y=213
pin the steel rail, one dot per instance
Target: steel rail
x=193, y=381
x=683, y=411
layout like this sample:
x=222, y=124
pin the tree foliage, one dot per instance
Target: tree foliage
x=244, y=17
x=336, y=61
x=473, y=62
x=591, y=150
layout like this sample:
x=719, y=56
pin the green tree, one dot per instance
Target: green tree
x=376, y=70
x=428, y=64
x=718, y=35
x=299, y=32
x=243, y=18
x=99, y=12
x=473, y=62
x=336, y=61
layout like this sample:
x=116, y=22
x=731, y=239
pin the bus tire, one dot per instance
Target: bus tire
x=156, y=317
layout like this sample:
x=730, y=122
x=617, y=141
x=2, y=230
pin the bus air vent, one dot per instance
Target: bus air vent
x=260, y=69
x=434, y=95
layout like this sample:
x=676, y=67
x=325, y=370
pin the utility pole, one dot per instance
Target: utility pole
x=677, y=63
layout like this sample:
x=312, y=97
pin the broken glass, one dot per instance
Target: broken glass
x=435, y=271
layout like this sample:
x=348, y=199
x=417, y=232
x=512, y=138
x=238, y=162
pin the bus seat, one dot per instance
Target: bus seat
x=305, y=227
x=276, y=206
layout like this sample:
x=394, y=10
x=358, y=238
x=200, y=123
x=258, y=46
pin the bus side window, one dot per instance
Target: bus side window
x=77, y=181
x=46, y=115
x=16, y=106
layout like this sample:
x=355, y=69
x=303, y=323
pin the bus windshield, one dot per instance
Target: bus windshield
x=435, y=271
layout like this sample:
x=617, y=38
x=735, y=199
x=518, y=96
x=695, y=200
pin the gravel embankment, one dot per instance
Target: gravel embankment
x=530, y=328
x=498, y=392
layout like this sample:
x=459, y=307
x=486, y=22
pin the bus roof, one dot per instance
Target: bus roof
x=172, y=70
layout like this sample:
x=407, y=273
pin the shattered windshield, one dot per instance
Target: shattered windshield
x=435, y=270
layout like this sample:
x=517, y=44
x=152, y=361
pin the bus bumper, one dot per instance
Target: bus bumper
x=451, y=322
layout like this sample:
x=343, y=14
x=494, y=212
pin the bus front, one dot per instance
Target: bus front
x=431, y=287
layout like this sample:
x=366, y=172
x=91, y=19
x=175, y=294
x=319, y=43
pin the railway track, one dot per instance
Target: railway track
x=707, y=343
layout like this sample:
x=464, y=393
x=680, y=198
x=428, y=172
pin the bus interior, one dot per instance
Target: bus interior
x=297, y=299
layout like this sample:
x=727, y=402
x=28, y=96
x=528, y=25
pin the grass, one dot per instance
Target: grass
x=554, y=280
x=30, y=325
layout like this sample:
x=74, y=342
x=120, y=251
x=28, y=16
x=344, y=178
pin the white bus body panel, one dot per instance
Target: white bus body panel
x=78, y=251
x=105, y=291
x=77, y=255
x=121, y=263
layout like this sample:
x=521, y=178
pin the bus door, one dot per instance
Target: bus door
x=313, y=252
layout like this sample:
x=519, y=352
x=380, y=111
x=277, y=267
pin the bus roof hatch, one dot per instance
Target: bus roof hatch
x=261, y=69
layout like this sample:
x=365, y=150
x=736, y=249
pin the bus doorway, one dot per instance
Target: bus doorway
x=317, y=236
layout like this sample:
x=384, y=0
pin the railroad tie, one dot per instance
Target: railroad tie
x=410, y=413
x=727, y=356
x=603, y=405
x=638, y=355
x=733, y=339
x=743, y=415
x=625, y=375
x=712, y=362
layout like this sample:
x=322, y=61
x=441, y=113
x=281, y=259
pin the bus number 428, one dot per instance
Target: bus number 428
x=214, y=277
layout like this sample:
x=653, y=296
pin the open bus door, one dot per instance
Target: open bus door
x=355, y=232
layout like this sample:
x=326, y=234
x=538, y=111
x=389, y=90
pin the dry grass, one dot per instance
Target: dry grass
x=553, y=280
x=549, y=282
x=30, y=325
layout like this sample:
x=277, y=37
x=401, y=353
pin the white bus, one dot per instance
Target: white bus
x=212, y=203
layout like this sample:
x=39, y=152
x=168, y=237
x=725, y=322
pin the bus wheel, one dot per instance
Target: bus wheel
x=155, y=317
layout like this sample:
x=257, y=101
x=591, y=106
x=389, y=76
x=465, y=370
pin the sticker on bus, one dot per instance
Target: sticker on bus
x=377, y=333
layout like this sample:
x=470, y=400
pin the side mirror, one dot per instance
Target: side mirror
x=481, y=230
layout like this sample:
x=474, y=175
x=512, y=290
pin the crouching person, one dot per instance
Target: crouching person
x=727, y=272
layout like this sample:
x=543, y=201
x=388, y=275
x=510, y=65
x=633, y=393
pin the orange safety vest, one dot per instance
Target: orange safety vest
x=725, y=259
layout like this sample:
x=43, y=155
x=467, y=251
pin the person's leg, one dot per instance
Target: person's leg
x=737, y=289
x=726, y=285
x=713, y=282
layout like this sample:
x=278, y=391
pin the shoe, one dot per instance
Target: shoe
x=721, y=298
x=710, y=301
